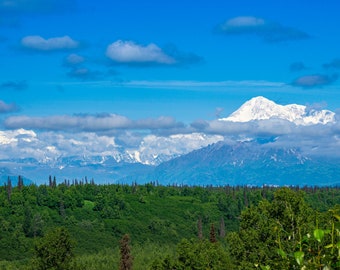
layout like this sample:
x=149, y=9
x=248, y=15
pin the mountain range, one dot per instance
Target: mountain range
x=255, y=161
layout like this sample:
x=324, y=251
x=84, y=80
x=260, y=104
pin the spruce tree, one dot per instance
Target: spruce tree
x=20, y=182
x=54, y=251
x=212, y=234
x=125, y=253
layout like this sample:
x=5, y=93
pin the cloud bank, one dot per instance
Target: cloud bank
x=93, y=123
x=90, y=136
x=268, y=31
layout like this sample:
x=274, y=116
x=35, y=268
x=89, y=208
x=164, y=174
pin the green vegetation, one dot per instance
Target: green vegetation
x=89, y=226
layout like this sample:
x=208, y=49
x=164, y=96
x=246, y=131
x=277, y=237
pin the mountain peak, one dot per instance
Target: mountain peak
x=261, y=108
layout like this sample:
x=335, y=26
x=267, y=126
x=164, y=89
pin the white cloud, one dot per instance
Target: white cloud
x=243, y=21
x=268, y=31
x=130, y=52
x=51, y=44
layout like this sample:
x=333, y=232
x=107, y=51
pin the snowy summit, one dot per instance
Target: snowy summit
x=261, y=108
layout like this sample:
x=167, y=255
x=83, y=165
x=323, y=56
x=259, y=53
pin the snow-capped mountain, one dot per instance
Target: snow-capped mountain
x=189, y=158
x=261, y=108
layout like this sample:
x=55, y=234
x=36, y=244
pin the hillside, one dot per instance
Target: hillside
x=157, y=218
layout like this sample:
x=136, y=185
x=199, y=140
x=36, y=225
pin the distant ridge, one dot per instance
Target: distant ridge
x=261, y=108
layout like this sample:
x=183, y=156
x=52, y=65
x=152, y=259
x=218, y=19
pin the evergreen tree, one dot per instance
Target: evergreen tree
x=50, y=183
x=54, y=251
x=212, y=234
x=20, y=182
x=54, y=182
x=125, y=253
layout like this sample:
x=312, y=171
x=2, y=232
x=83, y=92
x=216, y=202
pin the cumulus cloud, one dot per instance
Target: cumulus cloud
x=14, y=85
x=52, y=44
x=268, y=31
x=316, y=80
x=128, y=52
x=131, y=53
x=7, y=108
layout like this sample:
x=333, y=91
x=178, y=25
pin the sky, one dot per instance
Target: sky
x=83, y=77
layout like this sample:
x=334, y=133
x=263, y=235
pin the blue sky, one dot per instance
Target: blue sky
x=160, y=65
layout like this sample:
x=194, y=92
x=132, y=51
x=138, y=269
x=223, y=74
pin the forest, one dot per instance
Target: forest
x=82, y=225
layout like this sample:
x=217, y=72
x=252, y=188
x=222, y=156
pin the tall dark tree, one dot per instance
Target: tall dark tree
x=212, y=237
x=126, y=259
x=50, y=183
x=20, y=182
x=54, y=182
